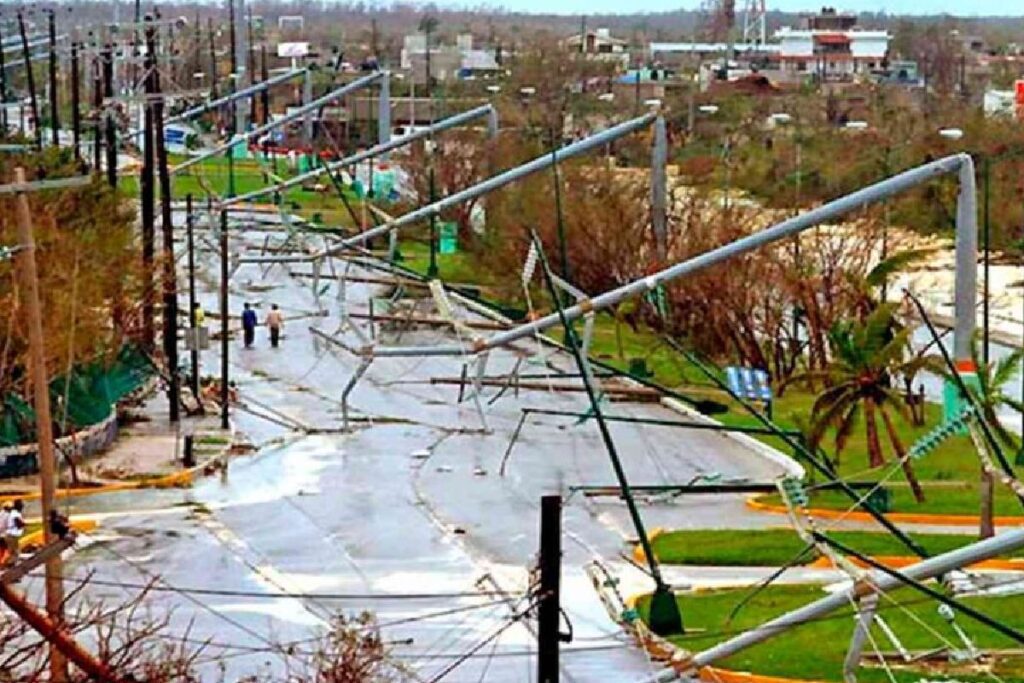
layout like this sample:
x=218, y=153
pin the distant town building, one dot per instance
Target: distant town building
x=599, y=44
x=291, y=22
x=447, y=62
x=829, y=47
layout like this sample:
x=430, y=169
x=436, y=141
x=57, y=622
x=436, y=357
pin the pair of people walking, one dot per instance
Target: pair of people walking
x=274, y=323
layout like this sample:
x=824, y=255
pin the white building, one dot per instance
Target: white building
x=830, y=47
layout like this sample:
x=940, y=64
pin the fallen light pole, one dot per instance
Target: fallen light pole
x=966, y=255
x=871, y=584
x=377, y=150
x=539, y=163
x=288, y=118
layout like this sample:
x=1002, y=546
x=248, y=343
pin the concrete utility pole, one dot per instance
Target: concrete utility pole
x=29, y=283
x=108, y=117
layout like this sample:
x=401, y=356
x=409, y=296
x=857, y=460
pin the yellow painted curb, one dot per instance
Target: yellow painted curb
x=901, y=562
x=181, y=478
x=905, y=517
x=638, y=550
x=725, y=676
x=81, y=525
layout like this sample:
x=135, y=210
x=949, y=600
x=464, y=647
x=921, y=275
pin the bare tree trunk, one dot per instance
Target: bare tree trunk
x=908, y=469
x=874, y=447
x=987, y=527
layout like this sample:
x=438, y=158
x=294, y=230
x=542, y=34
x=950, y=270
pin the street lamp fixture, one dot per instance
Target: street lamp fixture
x=951, y=133
x=708, y=109
x=494, y=89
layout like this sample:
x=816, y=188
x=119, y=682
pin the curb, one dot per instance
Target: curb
x=180, y=479
x=901, y=562
x=754, y=503
x=663, y=650
x=80, y=525
x=790, y=465
x=638, y=550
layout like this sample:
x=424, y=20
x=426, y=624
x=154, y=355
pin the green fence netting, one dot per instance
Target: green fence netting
x=91, y=394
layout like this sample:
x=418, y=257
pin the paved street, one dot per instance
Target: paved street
x=401, y=513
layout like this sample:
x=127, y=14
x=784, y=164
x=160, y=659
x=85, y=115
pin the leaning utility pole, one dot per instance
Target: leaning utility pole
x=170, y=285
x=54, y=99
x=29, y=284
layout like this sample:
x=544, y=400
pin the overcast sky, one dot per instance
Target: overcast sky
x=960, y=7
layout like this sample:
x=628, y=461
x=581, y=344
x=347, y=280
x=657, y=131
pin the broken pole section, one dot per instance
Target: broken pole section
x=548, y=600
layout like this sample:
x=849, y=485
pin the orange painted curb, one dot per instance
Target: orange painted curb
x=714, y=675
x=638, y=550
x=905, y=517
x=901, y=562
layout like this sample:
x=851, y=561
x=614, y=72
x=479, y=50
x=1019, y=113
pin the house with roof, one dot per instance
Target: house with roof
x=599, y=44
x=830, y=47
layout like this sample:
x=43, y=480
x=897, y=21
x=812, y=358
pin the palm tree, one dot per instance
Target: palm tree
x=866, y=355
x=989, y=396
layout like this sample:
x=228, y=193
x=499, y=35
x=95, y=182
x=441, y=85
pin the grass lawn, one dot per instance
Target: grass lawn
x=250, y=176
x=776, y=547
x=816, y=650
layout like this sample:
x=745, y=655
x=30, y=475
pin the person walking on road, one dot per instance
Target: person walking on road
x=12, y=533
x=275, y=321
x=249, y=325
x=5, y=515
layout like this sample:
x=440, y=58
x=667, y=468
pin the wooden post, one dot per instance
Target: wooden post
x=29, y=283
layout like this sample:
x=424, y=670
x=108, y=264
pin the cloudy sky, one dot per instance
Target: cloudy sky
x=974, y=7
